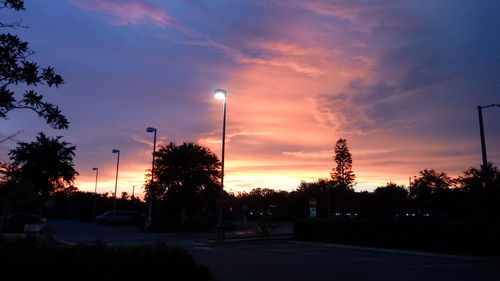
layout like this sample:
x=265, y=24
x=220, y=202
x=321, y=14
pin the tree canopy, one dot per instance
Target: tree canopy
x=47, y=163
x=13, y=4
x=343, y=173
x=185, y=171
x=475, y=179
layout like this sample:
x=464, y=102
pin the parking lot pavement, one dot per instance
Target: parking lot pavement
x=75, y=232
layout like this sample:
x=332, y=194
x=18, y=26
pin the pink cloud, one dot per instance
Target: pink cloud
x=128, y=12
x=358, y=12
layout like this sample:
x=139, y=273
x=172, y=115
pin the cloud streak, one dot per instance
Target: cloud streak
x=128, y=12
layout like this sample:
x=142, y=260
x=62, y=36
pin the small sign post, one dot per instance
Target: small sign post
x=312, y=207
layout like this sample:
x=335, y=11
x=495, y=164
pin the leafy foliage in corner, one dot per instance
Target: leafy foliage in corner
x=17, y=69
x=13, y=4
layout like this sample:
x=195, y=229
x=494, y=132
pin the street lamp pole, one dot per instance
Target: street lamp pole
x=149, y=221
x=116, y=178
x=95, y=191
x=481, y=130
x=221, y=94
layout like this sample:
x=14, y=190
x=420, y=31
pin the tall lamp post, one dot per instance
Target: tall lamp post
x=481, y=129
x=116, y=178
x=149, y=221
x=95, y=191
x=222, y=95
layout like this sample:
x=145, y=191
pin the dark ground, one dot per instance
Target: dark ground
x=290, y=260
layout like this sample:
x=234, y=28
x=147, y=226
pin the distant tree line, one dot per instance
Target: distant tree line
x=431, y=194
x=186, y=185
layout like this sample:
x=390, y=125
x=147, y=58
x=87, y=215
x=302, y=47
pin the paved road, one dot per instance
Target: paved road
x=288, y=260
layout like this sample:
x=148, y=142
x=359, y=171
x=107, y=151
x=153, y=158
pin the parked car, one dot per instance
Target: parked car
x=120, y=217
x=14, y=223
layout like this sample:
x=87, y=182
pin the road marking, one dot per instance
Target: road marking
x=364, y=259
x=392, y=251
x=446, y=265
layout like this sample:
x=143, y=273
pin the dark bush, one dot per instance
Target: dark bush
x=441, y=236
x=100, y=262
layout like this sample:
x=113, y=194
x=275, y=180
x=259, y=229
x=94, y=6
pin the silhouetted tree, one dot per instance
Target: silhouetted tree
x=261, y=200
x=391, y=199
x=16, y=69
x=17, y=5
x=331, y=197
x=125, y=196
x=473, y=179
x=343, y=173
x=428, y=182
x=15, y=194
x=482, y=188
x=186, y=173
x=47, y=163
x=9, y=172
x=428, y=189
x=317, y=190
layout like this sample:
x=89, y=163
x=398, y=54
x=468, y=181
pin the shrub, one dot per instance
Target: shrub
x=100, y=262
x=442, y=236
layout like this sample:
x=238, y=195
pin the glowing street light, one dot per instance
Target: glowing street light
x=221, y=95
x=149, y=221
x=95, y=191
x=116, y=179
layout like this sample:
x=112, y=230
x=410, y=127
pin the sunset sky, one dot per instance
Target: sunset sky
x=399, y=79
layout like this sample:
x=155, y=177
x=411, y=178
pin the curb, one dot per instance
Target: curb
x=64, y=242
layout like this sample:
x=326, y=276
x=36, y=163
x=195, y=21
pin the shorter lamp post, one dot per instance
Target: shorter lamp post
x=95, y=191
x=149, y=221
x=117, y=151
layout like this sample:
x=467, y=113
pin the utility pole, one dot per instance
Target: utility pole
x=481, y=131
x=483, y=141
